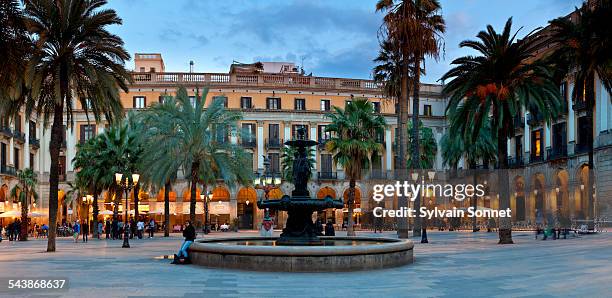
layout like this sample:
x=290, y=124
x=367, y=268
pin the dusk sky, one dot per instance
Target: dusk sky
x=332, y=38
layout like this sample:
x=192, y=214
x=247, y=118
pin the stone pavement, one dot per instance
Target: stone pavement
x=453, y=264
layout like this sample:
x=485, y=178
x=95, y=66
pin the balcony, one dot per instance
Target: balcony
x=273, y=143
x=518, y=122
x=248, y=143
x=579, y=105
x=515, y=162
x=19, y=136
x=5, y=130
x=34, y=142
x=8, y=170
x=557, y=152
x=327, y=175
x=534, y=119
x=535, y=158
x=378, y=174
x=581, y=148
x=259, y=80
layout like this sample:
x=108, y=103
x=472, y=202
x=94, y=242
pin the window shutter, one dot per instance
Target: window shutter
x=279, y=104
x=145, y=102
x=82, y=133
x=134, y=102
x=268, y=103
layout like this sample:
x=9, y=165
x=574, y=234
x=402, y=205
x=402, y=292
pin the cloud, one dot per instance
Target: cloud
x=273, y=23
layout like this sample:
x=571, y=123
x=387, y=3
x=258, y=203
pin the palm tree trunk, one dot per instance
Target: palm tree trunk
x=167, y=209
x=24, y=216
x=136, y=198
x=95, y=213
x=416, y=232
x=54, y=150
x=402, y=151
x=195, y=167
x=474, y=198
x=118, y=196
x=350, y=231
x=505, y=223
x=590, y=99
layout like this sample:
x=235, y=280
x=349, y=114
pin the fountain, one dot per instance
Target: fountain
x=299, y=247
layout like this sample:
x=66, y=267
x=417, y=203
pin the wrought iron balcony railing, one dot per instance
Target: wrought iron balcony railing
x=5, y=130
x=533, y=158
x=327, y=175
x=19, y=136
x=273, y=143
x=557, y=152
x=8, y=170
x=35, y=142
x=248, y=143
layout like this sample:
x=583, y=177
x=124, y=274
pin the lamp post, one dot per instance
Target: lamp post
x=87, y=200
x=206, y=198
x=267, y=182
x=127, y=186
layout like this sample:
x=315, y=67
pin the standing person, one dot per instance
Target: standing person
x=151, y=228
x=100, y=227
x=17, y=230
x=120, y=230
x=45, y=230
x=266, y=227
x=114, y=229
x=76, y=228
x=9, y=231
x=132, y=228
x=107, y=228
x=1, y=232
x=140, y=228
x=85, y=230
x=189, y=233
x=329, y=229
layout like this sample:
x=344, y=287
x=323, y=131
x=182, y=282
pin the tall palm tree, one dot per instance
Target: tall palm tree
x=354, y=141
x=456, y=146
x=415, y=27
x=429, y=147
x=25, y=192
x=120, y=151
x=15, y=49
x=494, y=86
x=76, y=59
x=584, y=51
x=188, y=135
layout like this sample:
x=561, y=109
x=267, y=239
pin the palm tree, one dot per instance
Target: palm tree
x=76, y=59
x=287, y=158
x=15, y=48
x=584, y=51
x=429, y=147
x=494, y=86
x=93, y=172
x=25, y=192
x=354, y=141
x=185, y=135
x=456, y=146
x=120, y=151
x=415, y=28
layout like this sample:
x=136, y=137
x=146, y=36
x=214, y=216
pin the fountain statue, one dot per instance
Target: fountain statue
x=300, y=229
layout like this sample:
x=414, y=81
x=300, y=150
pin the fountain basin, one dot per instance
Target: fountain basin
x=335, y=254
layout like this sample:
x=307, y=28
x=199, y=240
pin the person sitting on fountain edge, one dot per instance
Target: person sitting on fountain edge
x=189, y=233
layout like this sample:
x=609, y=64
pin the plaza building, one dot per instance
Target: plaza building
x=275, y=99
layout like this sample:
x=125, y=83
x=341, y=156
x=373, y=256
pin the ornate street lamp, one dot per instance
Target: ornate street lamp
x=87, y=200
x=267, y=182
x=127, y=186
x=206, y=199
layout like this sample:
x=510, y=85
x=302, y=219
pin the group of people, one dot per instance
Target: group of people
x=116, y=229
x=12, y=230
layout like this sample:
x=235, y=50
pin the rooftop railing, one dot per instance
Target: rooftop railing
x=264, y=80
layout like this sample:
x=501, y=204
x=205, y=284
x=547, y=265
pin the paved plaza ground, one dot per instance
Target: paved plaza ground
x=453, y=264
